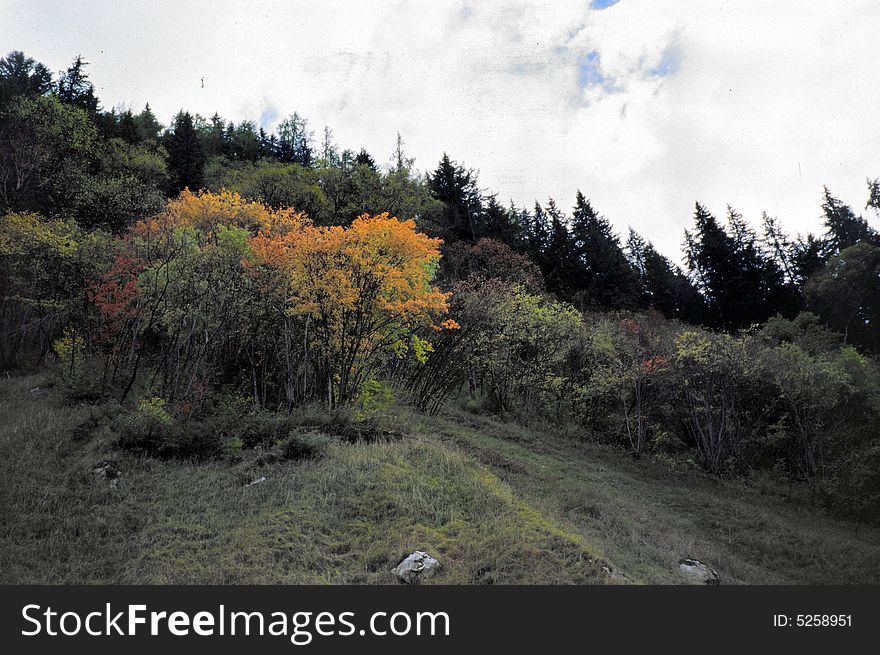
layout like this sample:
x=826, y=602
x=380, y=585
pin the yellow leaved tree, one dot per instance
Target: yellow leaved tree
x=362, y=293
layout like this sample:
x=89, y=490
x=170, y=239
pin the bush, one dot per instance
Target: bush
x=854, y=488
x=373, y=399
x=305, y=445
x=148, y=428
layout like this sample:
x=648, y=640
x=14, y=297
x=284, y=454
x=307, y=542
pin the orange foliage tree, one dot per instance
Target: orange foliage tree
x=189, y=307
x=217, y=289
x=361, y=293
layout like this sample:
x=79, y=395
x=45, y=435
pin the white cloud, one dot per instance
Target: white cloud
x=767, y=102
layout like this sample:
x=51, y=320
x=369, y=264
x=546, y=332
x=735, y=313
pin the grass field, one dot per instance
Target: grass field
x=495, y=502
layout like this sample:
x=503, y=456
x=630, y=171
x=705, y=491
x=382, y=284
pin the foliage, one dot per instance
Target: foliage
x=373, y=399
x=148, y=427
x=44, y=145
x=360, y=291
x=709, y=369
x=305, y=445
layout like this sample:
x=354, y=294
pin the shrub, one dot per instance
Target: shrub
x=148, y=428
x=854, y=486
x=373, y=399
x=305, y=445
x=709, y=371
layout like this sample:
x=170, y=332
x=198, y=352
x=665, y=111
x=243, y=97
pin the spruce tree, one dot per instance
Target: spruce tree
x=74, y=87
x=186, y=159
x=844, y=228
x=605, y=276
x=456, y=187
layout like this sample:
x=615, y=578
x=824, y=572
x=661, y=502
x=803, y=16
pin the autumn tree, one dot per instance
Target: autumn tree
x=362, y=291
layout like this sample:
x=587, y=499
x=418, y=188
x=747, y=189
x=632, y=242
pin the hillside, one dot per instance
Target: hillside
x=495, y=502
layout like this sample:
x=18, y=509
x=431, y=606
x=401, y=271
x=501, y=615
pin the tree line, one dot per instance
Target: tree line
x=65, y=156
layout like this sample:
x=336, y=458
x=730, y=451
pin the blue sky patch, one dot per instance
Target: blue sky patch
x=268, y=117
x=602, y=4
x=669, y=63
x=589, y=70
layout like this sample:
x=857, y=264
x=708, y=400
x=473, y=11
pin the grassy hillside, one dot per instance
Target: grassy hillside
x=495, y=502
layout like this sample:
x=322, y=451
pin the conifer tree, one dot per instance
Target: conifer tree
x=74, y=87
x=186, y=159
x=606, y=277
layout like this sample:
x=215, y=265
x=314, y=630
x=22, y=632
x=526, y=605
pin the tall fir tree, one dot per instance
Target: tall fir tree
x=605, y=276
x=22, y=75
x=844, y=227
x=74, y=87
x=456, y=187
x=186, y=159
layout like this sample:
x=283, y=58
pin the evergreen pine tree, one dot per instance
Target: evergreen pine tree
x=74, y=87
x=606, y=277
x=186, y=159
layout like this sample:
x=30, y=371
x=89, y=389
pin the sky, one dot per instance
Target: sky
x=644, y=106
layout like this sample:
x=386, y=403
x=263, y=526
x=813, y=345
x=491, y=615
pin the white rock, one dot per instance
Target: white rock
x=416, y=567
x=695, y=572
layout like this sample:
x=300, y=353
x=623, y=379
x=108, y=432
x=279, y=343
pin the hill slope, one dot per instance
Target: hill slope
x=496, y=503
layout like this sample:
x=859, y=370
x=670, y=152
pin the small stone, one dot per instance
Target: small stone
x=696, y=572
x=107, y=470
x=614, y=575
x=416, y=567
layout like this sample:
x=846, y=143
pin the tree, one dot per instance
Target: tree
x=846, y=294
x=364, y=158
x=874, y=194
x=742, y=286
x=813, y=391
x=501, y=223
x=456, y=187
x=488, y=259
x=273, y=183
x=537, y=234
x=148, y=128
x=807, y=256
x=21, y=75
x=329, y=151
x=665, y=286
x=709, y=369
x=295, y=141
x=43, y=146
x=606, y=278
x=561, y=270
x=74, y=87
x=363, y=291
x=639, y=362
x=845, y=229
x=186, y=159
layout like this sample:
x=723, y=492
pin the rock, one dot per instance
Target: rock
x=614, y=575
x=695, y=572
x=416, y=567
x=107, y=470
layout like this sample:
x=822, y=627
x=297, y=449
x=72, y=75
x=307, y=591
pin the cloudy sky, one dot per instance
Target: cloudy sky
x=645, y=106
